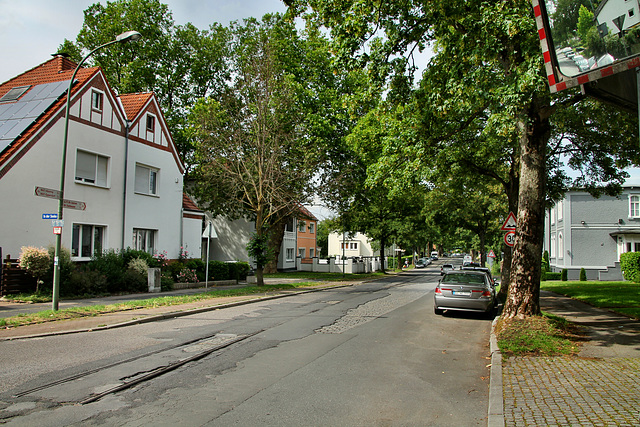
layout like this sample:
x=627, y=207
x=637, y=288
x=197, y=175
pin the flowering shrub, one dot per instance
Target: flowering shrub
x=187, y=275
x=162, y=258
x=184, y=254
x=139, y=265
x=36, y=261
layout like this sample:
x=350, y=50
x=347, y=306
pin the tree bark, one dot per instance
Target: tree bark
x=524, y=290
x=275, y=243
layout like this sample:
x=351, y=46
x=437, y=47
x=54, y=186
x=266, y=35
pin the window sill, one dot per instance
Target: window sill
x=157, y=196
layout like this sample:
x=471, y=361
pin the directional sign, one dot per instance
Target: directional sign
x=510, y=223
x=510, y=238
x=49, y=216
x=55, y=194
x=48, y=192
x=73, y=204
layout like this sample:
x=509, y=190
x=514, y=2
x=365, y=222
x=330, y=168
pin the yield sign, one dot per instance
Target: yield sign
x=510, y=223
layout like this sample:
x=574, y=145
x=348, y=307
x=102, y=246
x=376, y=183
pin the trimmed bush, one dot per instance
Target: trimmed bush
x=549, y=275
x=563, y=275
x=630, y=266
x=583, y=275
x=238, y=270
x=218, y=270
x=86, y=283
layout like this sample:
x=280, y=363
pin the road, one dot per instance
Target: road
x=366, y=355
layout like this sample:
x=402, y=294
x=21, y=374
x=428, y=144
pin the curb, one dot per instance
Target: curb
x=495, y=414
x=174, y=314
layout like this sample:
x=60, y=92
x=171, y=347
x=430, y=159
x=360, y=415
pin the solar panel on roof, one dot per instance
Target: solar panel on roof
x=16, y=117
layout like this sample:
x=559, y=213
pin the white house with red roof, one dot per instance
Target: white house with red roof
x=123, y=175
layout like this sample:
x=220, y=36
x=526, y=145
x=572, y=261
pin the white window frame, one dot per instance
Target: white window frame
x=311, y=252
x=560, y=246
x=634, y=205
x=560, y=208
x=92, y=168
x=302, y=252
x=553, y=215
x=312, y=227
x=144, y=240
x=85, y=234
x=97, y=100
x=553, y=248
x=150, y=123
x=146, y=180
x=289, y=254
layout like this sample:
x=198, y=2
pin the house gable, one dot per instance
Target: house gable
x=148, y=125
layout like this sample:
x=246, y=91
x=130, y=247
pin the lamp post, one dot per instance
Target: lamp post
x=124, y=37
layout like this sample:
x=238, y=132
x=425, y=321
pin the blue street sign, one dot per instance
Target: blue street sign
x=49, y=216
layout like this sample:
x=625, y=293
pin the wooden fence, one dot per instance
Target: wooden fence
x=13, y=279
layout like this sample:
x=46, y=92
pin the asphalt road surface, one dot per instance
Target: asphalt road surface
x=368, y=355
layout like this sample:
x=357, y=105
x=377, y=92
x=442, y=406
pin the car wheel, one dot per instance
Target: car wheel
x=438, y=311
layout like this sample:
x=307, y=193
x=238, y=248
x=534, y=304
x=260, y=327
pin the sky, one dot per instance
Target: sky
x=31, y=30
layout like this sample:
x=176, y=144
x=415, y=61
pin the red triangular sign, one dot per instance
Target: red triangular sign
x=491, y=254
x=510, y=223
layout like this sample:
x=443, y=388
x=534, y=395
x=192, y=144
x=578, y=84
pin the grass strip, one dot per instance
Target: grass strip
x=95, y=310
x=621, y=297
x=545, y=335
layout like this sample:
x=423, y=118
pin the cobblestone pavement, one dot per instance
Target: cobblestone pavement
x=571, y=391
x=599, y=387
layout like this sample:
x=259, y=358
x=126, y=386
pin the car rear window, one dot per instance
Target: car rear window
x=474, y=279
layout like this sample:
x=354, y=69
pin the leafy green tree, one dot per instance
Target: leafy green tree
x=255, y=153
x=179, y=63
x=485, y=83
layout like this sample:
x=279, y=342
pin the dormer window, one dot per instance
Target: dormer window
x=151, y=123
x=96, y=100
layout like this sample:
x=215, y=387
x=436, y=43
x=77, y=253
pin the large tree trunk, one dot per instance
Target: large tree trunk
x=524, y=290
x=276, y=235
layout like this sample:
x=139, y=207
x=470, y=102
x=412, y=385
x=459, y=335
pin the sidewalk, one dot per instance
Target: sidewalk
x=599, y=387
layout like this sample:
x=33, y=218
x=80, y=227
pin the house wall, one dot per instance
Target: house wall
x=614, y=8
x=231, y=243
x=40, y=166
x=162, y=212
x=307, y=236
x=363, y=245
x=192, y=234
x=594, y=233
x=101, y=133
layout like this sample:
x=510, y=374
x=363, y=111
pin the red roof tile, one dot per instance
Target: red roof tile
x=189, y=204
x=133, y=103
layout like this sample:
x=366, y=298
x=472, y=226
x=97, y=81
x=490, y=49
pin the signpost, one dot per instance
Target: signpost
x=55, y=194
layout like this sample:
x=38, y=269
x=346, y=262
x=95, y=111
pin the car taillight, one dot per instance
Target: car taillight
x=438, y=290
x=486, y=293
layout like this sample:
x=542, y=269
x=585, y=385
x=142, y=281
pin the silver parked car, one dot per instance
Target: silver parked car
x=465, y=290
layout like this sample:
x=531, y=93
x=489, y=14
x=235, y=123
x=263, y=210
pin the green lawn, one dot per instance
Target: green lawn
x=621, y=297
